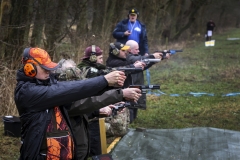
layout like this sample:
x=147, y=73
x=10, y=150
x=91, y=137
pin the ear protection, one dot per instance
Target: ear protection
x=115, y=51
x=29, y=67
x=93, y=57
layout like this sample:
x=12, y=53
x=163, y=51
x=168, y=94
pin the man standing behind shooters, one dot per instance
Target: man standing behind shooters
x=132, y=29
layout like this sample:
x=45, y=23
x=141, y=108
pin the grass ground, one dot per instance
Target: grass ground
x=213, y=70
x=9, y=146
x=197, y=69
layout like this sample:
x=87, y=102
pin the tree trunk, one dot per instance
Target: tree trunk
x=55, y=26
x=193, y=9
x=5, y=14
x=18, y=28
x=36, y=35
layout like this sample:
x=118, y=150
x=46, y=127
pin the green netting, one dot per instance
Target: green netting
x=179, y=144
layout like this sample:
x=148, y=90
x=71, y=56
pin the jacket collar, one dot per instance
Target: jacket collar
x=86, y=63
x=116, y=57
x=22, y=77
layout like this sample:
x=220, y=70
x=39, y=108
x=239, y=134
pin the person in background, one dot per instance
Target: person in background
x=210, y=27
x=68, y=71
x=132, y=29
x=41, y=101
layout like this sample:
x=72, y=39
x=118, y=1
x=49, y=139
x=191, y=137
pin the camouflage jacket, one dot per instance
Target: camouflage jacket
x=118, y=125
x=90, y=70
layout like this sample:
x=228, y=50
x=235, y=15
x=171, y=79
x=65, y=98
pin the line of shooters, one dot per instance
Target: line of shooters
x=59, y=103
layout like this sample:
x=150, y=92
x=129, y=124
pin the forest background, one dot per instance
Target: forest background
x=66, y=28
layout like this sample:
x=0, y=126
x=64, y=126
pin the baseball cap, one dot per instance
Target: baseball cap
x=89, y=50
x=41, y=57
x=133, y=11
x=121, y=46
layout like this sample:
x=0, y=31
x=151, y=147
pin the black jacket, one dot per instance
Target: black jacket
x=210, y=26
x=114, y=62
x=35, y=100
x=79, y=119
x=138, y=78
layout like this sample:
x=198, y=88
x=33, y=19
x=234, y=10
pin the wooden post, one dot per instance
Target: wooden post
x=103, y=135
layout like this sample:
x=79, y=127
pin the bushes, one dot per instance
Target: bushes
x=7, y=86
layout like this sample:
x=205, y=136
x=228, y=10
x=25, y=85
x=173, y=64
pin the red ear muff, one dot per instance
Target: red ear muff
x=30, y=70
x=29, y=67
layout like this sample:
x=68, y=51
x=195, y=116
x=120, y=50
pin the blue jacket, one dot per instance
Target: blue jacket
x=122, y=26
x=35, y=101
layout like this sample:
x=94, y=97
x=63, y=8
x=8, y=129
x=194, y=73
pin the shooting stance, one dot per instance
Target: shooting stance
x=41, y=101
x=68, y=71
x=92, y=66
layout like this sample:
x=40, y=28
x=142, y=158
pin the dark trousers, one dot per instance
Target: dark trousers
x=95, y=141
x=208, y=38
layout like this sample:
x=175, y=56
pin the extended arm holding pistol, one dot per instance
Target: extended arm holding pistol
x=147, y=61
x=171, y=51
x=141, y=103
x=144, y=88
x=118, y=107
x=129, y=70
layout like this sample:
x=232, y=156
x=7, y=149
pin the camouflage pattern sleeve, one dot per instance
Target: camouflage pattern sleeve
x=118, y=125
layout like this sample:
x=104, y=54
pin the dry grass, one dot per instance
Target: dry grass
x=7, y=83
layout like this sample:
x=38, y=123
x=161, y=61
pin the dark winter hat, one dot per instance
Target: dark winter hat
x=133, y=11
x=90, y=50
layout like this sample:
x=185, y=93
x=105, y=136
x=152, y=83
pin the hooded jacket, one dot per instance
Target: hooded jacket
x=35, y=100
